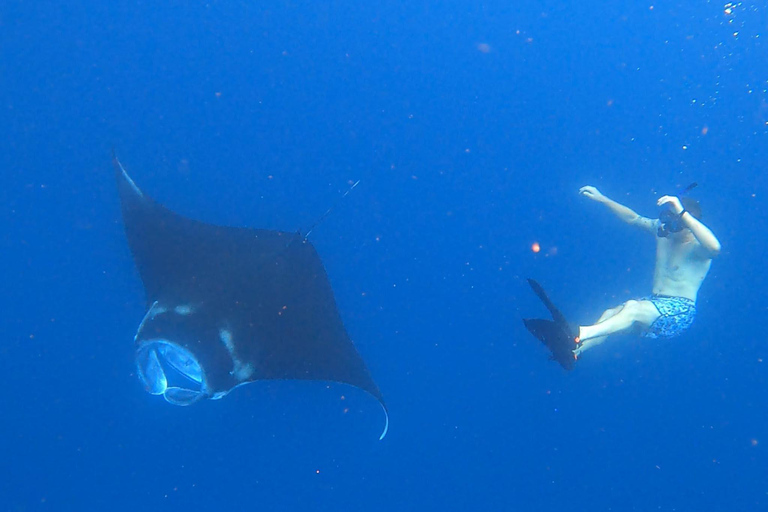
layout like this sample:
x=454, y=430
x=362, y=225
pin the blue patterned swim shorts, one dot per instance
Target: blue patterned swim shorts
x=677, y=314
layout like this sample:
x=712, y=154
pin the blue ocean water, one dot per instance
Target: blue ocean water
x=471, y=127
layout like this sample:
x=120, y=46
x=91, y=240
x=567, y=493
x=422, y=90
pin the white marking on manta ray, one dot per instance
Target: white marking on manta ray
x=128, y=178
x=183, y=309
x=156, y=309
x=240, y=371
x=226, y=339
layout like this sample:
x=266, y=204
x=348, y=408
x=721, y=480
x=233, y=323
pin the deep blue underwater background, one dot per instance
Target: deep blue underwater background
x=472, y=126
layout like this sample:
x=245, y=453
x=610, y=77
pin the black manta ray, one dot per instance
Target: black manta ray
x=228, y=306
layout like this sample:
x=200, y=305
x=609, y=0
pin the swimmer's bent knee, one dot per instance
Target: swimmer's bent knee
x=631, y=304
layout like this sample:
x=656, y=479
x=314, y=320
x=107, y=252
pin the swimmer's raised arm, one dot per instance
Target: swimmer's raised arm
x=624, y=213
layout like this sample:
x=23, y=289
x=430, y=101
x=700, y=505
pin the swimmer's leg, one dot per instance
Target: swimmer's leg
x=593, y=342
x=618, y=319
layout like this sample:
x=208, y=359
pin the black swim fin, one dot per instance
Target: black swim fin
x=556, y=334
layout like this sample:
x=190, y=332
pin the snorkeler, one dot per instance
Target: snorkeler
x=684, y=251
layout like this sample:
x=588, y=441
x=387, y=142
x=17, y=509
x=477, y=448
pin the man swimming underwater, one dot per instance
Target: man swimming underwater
x=684, y=251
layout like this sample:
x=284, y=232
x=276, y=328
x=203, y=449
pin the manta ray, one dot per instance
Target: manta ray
x=227, y=306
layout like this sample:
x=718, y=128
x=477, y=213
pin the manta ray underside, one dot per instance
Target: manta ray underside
x=227, y=306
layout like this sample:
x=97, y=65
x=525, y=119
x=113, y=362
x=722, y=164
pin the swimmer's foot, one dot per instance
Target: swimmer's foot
x=575, y=331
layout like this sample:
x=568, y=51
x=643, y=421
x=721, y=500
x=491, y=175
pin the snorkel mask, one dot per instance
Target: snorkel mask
x=673, y=222
x=670, y=223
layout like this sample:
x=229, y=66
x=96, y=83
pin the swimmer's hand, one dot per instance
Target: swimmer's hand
x=592, y=193
x=674, y=204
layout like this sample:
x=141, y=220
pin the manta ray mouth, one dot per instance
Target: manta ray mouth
x=170, y=370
